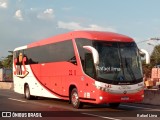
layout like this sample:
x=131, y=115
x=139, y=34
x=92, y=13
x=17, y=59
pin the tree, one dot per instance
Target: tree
x=147, y=69
x=1, y=64
x=155, y=56
x=7, y=62
x=154, y=61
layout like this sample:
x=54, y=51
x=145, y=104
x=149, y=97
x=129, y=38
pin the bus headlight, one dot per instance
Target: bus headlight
x=101, y=88
x=100, y=97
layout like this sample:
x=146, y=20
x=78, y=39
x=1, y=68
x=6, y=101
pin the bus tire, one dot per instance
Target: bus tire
x=27, y=92
x=114, y=105
x=75, y=99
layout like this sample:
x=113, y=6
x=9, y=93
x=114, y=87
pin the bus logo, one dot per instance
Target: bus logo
x=19, y=65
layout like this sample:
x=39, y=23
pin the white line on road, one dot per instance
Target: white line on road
x=100, y=116
x=140, y=107
x=16, y=100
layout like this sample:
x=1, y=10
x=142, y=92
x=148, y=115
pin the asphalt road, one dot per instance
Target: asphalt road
x=16, y=107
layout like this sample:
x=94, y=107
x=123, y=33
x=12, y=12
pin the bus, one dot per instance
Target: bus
x=81, y=67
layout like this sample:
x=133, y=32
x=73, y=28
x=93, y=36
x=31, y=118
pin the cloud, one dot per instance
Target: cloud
x=48, y=14
x=77, y=26
x=18, y=15
x=69, y=26
x=3, y=3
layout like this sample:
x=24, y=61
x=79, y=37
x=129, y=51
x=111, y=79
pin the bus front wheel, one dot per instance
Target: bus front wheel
x=75, y=99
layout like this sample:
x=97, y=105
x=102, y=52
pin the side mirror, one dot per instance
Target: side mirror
x=144, y=52
x=94, y=54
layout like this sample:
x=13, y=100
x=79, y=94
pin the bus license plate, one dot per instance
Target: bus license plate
x=125, y=98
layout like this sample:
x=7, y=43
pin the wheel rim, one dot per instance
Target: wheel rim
x=27, y=93
x=75, y=98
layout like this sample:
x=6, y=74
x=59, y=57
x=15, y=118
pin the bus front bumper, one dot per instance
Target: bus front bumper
x=105, y=97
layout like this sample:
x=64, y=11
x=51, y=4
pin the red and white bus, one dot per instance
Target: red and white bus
x=82, y=67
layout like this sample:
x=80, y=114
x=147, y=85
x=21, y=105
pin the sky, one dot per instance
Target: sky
x=25, y=21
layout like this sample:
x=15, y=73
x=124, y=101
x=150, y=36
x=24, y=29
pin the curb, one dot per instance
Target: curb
x=6, y=85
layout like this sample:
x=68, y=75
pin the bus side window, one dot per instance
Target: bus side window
x=89, y=65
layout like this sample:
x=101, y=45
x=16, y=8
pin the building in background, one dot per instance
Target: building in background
x=6, y=74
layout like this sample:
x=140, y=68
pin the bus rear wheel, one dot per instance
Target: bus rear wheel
x=114, y=105
x=75, y=99
x=27, y=94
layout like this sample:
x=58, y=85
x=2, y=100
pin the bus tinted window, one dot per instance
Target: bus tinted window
x=61, y=51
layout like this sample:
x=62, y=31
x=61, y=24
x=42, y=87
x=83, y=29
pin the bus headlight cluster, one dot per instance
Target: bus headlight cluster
x=102, y=88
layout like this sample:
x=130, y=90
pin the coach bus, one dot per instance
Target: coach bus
x=81, y=67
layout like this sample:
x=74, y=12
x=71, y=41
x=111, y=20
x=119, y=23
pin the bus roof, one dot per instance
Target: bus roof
x=93, y=35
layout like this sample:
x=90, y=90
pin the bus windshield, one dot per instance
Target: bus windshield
x=119, y=62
